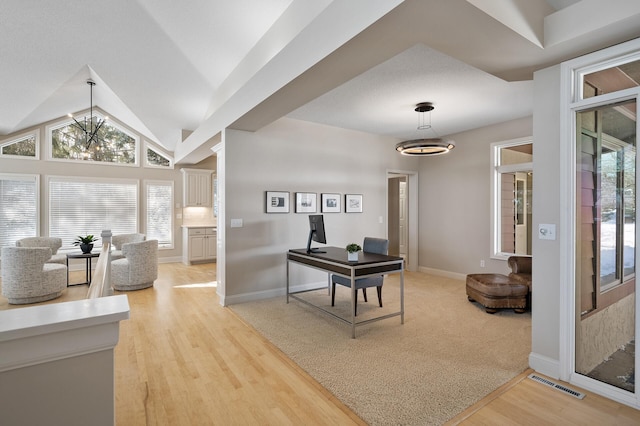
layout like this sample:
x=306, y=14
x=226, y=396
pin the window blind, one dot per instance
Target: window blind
x=159, y=212
x=18, y=208
x=79, y=207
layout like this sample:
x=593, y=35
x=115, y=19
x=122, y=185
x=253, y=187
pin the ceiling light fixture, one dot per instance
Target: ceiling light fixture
x=87, y=127
x=425, y=146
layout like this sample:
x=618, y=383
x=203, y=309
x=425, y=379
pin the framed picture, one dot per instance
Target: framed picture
x=306, y=202
x=353, y=203
x=330, y=203
x=277, y=202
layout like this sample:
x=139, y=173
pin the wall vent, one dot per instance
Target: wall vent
x=557, y=386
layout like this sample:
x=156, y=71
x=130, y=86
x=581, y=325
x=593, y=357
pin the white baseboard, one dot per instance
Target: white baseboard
x=442, y=273
x=175, y=259
x=545, y=365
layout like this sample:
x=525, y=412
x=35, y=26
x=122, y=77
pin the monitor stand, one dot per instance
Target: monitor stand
x=312, y=250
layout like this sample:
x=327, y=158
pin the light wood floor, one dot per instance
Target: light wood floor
x=183, y=359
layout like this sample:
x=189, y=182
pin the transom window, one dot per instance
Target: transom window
x=112, y=144
x=156, y=158
x=22, y=146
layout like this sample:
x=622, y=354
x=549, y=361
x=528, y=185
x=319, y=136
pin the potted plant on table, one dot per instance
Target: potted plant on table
x=85, y=243
x=352, y=252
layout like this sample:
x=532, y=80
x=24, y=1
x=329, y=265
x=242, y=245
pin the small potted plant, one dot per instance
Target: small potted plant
x=352, y=252
x=85, y=243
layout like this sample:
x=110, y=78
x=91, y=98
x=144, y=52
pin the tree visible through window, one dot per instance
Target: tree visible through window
x=113, y=145
x=154, y=158
x=22, y=147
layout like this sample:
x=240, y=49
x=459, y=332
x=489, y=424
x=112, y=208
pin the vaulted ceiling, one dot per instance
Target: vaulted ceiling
x=180, y=73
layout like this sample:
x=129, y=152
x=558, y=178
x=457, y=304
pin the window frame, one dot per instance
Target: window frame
x=66, y=121
x=161, y=152
x=35, y=133
x=88, y=180
x=35, y=178
x=496, y=172
x=171, y=244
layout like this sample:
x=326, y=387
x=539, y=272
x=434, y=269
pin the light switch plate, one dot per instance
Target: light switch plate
x=547, y=231
x=236, y=223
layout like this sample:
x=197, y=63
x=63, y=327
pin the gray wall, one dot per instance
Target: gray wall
x=291, y=155
x=455, y=197
x=546, y=209
x=296, y=156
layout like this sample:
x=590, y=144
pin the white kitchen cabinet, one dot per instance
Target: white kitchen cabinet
x=196, y=187
x=199, y=245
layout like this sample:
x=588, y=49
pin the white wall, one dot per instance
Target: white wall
x=296, y=156
x=545, y=297
x=455, y=202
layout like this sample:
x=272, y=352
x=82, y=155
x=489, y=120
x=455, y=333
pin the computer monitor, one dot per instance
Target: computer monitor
x=316, y=233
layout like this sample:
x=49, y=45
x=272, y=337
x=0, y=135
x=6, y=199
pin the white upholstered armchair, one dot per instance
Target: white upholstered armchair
x=28, y=278
x=119, y=240
x=138, y=268
x=53, y=243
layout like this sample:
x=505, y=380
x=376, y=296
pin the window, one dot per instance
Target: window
x=25, y=146
x=159, y=217
x=18, y=208
x=80, y=206
x=113, y=145
x=512, y=192
x=606, y=204
x=618, y=76
x=155, y=158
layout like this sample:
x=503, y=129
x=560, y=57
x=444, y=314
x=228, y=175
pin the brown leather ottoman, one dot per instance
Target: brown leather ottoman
x=497, y=291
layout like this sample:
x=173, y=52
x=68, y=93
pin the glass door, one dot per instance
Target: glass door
x=606, y=241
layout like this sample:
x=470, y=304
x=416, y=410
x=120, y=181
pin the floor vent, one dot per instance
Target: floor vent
x=557, y=386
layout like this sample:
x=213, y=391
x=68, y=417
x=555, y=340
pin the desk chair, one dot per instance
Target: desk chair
x=370, y=245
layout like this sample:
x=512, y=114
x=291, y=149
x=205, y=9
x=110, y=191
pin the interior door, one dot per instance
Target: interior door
x=402, y=222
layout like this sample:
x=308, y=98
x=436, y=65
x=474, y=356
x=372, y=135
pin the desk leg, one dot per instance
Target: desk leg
x=87, y=272
x=353, y=306
x=402, y=296
x=288, y=266
x=329, y=283
x=67, y=272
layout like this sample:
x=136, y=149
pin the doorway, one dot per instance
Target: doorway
x=402, y=217
x=605, y=253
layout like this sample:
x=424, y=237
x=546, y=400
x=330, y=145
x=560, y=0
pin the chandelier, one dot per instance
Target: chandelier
x=87, y=126
x=425, y=146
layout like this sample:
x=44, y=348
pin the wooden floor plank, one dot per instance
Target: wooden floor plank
x=183, y=359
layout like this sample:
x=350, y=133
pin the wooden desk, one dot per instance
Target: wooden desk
x=334, y=261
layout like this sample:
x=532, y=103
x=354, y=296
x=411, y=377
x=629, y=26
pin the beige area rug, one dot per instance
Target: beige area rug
x=448, y=355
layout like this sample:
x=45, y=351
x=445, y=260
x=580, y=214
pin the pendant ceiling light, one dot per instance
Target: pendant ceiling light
x=425, y=146
x=87, y=127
